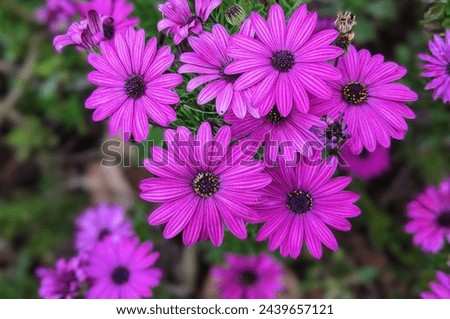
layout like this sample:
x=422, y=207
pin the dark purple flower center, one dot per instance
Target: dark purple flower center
x=205, y=184
x=120, y=275
x=135, y=86
x=192, y=18
x=448, y=69
x=103, y=233
x=283, y=60
x=248, y=277
x=444, y=219
x=230, y=78
x=354, y=93
x=364, y=154
x=274, y=116
x=299, y=201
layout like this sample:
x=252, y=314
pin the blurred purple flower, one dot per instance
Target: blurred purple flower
x=324, y=23
x=180, y=21
x=284, y=61
x=302, y=204
x=373, y=105
x=85, y=35
x=429, y=216
x=57, y=14
x=119, y=10
x=439, y=289
x=122, y=269
x=367, y=165
x=289, y=133
x=62, y=282
x=209, y=61
x=100, y=222
x=437, y=66
x=203, y=184
x=249, y=277
x=133, y=85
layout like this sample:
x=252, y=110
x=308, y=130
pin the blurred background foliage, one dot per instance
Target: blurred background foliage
x=50, y=153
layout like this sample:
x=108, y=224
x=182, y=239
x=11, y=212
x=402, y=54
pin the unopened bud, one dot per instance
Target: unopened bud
x=235, y=14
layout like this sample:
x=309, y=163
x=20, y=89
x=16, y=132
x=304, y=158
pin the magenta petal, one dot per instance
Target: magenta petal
x=214, y=223
x=284, y=95
x=210, y=91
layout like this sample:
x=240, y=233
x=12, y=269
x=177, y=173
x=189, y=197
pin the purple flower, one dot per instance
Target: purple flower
x=324, y=23
x=202, y=184
x=62, y=282
x=367, y=165
x=87, y=34
x=100, y=222
x=284, y=61
x=209, y=60
x=332, y=133
x=373, y=105
x=122, y=269
x=180, y=21
x=437, y=66
x=429, y=216
x=302, y=203
x=133, y=86
x=280, y=134
x=440, y=289
x=249, y=277
x=119, y=10
x=57, y=14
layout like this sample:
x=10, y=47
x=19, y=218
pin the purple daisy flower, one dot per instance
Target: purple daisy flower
x=100, y=222
x=122, y=269
x=57, y=14
x=133, y=86
x=302, y=203
x=439, y=289
x=367, y=165
x=372, y=104
x=209, y=60
x=87, y=34
x=62, y=282
x=429, y=216
x=202, y=184
x=280, y=134
x=180, y=21
x=249, y=277
x=437, y=66
x=284, y=61
x=119, y=10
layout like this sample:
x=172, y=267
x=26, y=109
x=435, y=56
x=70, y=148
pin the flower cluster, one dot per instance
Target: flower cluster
x=290, y=96
x=281, y=84
x=111, y=262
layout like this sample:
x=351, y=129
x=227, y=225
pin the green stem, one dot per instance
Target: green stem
x=198, y=110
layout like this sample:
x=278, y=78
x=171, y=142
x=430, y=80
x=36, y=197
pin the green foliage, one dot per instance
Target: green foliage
x=28, y=137
x=437, y=18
